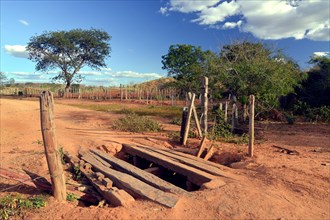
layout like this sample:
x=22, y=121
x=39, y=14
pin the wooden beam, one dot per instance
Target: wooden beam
x=194, y=175
x=201, y=147
x=198, y=163
x=50, y=144
x=113, y=195
x=138, y=173
x=132, y=185
x=209, y=153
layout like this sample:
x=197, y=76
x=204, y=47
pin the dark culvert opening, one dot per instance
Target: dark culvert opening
x=164, y=173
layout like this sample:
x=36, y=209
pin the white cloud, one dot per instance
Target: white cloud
x=23, y=22
x=190, y=6
x=132, y=74
x=163, y=10
x=24, y=73
x=271, y=19
x=231, y=25
x=212, y=15
x=17, y=51
x=91, y=73
x=321, y=54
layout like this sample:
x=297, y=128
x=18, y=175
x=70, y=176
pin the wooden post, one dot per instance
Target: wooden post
x=121, y=92
x=233, y=119
x=183, y=123
x=50, y=144
x=204, y=92
x=251, y=126
x=226, y=112
x=190, y=109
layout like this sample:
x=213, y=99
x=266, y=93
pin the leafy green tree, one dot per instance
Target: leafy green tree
x=316, y=88
x=187, y=64
x=254, y=69
x=69, y=51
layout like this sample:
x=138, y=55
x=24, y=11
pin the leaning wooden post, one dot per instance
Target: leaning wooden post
x=251, y=126
x=204, y=92
x=187, y=127
x=198, y=126
x=50, y=144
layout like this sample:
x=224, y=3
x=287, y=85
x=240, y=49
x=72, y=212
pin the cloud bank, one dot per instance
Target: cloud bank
x=271, y=19
x=17, y=51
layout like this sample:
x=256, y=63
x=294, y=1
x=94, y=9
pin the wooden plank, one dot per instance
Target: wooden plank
x=202, y=147
x=132, y=185
x=198, y=163
x=114, y=196
x=138, y=173
x=209, y=153
x=193, y=175
x=50, y=145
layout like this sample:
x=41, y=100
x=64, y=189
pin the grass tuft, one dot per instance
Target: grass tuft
x=135, y=123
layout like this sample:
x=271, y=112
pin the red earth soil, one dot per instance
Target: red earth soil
x=275, y=185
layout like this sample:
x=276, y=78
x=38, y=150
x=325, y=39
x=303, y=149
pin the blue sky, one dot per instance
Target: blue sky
x=142, y=31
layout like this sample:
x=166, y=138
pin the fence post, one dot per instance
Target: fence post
x=204, y=92
x=251, y=126
x=183, y=124
x=50, y=144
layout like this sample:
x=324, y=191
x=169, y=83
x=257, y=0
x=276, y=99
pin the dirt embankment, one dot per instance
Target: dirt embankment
x=276, y=184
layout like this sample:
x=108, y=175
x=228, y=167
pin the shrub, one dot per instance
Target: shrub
x=312, y=114
x=15, y=204
x=134, y=123
x=290, y=118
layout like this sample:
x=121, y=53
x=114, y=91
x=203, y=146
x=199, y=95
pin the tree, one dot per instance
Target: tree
x=3, y=78
x=254, y=69
x=187, y=64
x=69, y=51
x=316, y=88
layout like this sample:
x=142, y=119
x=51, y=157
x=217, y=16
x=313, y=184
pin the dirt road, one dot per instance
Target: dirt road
x=276, y=185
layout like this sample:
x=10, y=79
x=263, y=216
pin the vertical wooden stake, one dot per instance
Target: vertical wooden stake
x=251, y=126
x=50, y=144
x=121, y=92
x=233, y=117
x=190, y=109
x=226, y=111
x=183, y=123
x=204, y=92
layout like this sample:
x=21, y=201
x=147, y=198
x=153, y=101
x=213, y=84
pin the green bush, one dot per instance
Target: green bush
x=176, y=121
x=14, y=205
x=135, y=123
x=312, y=114
x=290, y=118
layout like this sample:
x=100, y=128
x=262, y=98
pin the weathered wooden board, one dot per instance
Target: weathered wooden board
x=195, y=162
x=140, y=174
x=113, y=195
x=193, y=175
x=131, y=184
